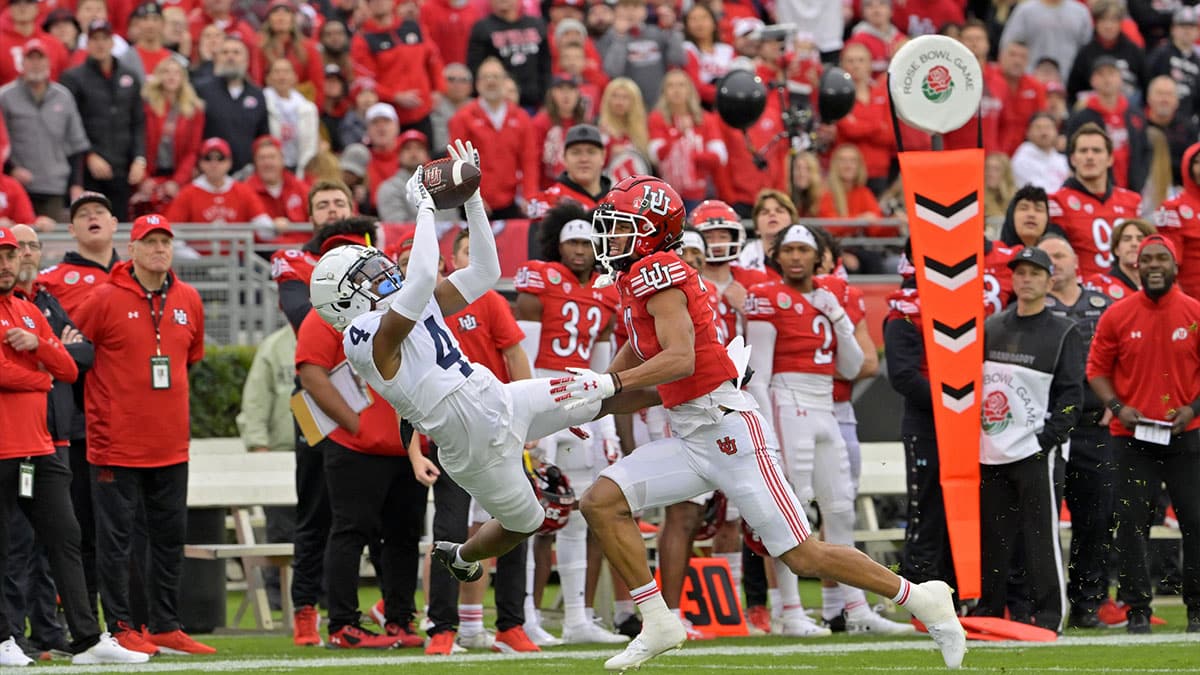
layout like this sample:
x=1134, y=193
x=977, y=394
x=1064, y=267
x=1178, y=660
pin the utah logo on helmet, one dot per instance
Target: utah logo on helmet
x=639, y=216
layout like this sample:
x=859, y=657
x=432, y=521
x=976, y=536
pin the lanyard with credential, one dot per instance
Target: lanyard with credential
x=156, y=319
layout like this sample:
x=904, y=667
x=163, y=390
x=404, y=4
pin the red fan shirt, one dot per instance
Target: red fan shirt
x=484, y=329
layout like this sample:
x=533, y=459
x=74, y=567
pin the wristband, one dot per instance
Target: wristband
x=617, y=386
x=1115, y=406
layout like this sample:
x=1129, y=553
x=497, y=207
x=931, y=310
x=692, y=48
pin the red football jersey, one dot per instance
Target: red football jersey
x=805, y=341
x=485, y=328
x=1114, y=284
x=997, y=277
x=572, y=314
x=659, y=272
x=1088, y=221
x=292, y=265
x=72, y=284
x=728, y=313
x=855, y=303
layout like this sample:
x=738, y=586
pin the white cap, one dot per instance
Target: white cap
x=799, y=234
x=575, y=229
x=382, y=110
x=692, y=240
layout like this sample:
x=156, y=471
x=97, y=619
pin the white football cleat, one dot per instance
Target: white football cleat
x=540, y=636
x=657, y=636
x=802, y=626
x=108, y=650
x=11, y=654
x=877, y=625
x=483, y=640
x=934, y=607
x=590, y=632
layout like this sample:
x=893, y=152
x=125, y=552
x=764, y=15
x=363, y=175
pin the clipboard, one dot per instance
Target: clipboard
x=313, y=422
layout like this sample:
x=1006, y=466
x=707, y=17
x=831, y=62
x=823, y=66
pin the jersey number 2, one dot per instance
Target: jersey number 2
x=447, y=353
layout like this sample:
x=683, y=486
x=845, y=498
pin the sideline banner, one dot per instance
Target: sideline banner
x=943, y=192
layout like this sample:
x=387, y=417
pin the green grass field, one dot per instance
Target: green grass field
x=1168, y=650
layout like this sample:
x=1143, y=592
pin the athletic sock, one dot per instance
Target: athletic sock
x=856, y=601
x=623, y=609
x=775, y=602
x=650, y=602
x=735, y=566
x=470, y=619
x=905, y=593
x=832, y=603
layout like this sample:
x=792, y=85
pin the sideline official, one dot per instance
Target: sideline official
x=1032, y=388
x=147, y=327
x=1145, y=366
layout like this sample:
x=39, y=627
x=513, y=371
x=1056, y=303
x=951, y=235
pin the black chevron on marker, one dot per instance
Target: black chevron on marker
x=950, y=270
x=959, y=393
x=952, y=331
x=944, y=210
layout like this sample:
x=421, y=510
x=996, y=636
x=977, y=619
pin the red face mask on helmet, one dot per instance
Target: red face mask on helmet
x=712, y=215
x=714, y=517
x=752, y=541
x=640, y=215
x=556, y=496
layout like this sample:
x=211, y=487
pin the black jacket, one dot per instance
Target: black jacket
x=1131, y=61
x=63, y=417
x=1182, y=67
x=1086, y=314
x=111, y=108
x=907, y=373
x=239, y=121
x=523, y=48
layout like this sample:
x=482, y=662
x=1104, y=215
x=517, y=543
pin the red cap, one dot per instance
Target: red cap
x=1158, y=239
x=567, y=3
x=34, y=45
x=412, y=135
x=264, y=140
x=7, y=238
x=215, y=144
x=342, y=240
x=404, y=242
x=362, y=84
x=153, y=222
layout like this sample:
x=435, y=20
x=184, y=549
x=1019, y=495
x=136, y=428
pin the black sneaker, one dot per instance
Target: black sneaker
x=446, y=552
x=1194, y=624
x=837, y=624
x=631, y=627
x=1139, y=624
x=1084, y=620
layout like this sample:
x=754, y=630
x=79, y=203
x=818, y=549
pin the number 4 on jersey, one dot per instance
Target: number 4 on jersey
x=447, y=353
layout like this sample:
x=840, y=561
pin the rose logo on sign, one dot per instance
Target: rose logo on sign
x=938, y=84
x=996, y=413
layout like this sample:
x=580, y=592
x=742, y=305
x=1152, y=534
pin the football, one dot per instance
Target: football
x=450, y=182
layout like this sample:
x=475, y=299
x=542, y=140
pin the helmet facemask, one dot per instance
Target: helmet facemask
x=605, y=223
x=723, y=251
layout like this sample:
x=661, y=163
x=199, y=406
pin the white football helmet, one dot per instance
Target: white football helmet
x=349, y=281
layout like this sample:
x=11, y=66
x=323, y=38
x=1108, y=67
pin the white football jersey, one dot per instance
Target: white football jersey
x=431, y=364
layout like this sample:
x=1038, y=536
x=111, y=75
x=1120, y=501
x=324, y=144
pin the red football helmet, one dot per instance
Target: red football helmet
x=752, y=541
x=714, y=214
x=555, y=493
x=714, y=517
x=641, y=209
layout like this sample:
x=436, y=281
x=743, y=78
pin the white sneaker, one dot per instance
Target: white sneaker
x=426, y=624
x=590, y=632
x=108, y=650
x=877, y=625
x=11, y=654
x=934, y=607
x=483, y=640
x=657, y=636
x=539, y=636
x=802, y=626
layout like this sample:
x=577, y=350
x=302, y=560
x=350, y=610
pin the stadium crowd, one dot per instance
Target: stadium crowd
x=307, y=120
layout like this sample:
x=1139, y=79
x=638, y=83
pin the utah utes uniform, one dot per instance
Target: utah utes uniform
x=1088, y=221
x=721, y=441
x=479, y=424
x=855, y=304
x=572, y=315
x=73, y=280
x=800, y=376
x=997, y=277
x=1114, y=283
x=292, y=264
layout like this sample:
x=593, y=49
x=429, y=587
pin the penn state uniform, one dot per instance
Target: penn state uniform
x=479, y=424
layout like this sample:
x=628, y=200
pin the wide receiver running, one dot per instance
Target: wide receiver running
x=720, y=441
x=397, y=340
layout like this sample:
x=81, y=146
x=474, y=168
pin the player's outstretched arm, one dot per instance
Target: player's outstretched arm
x=479, y=276
x=406, y=305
